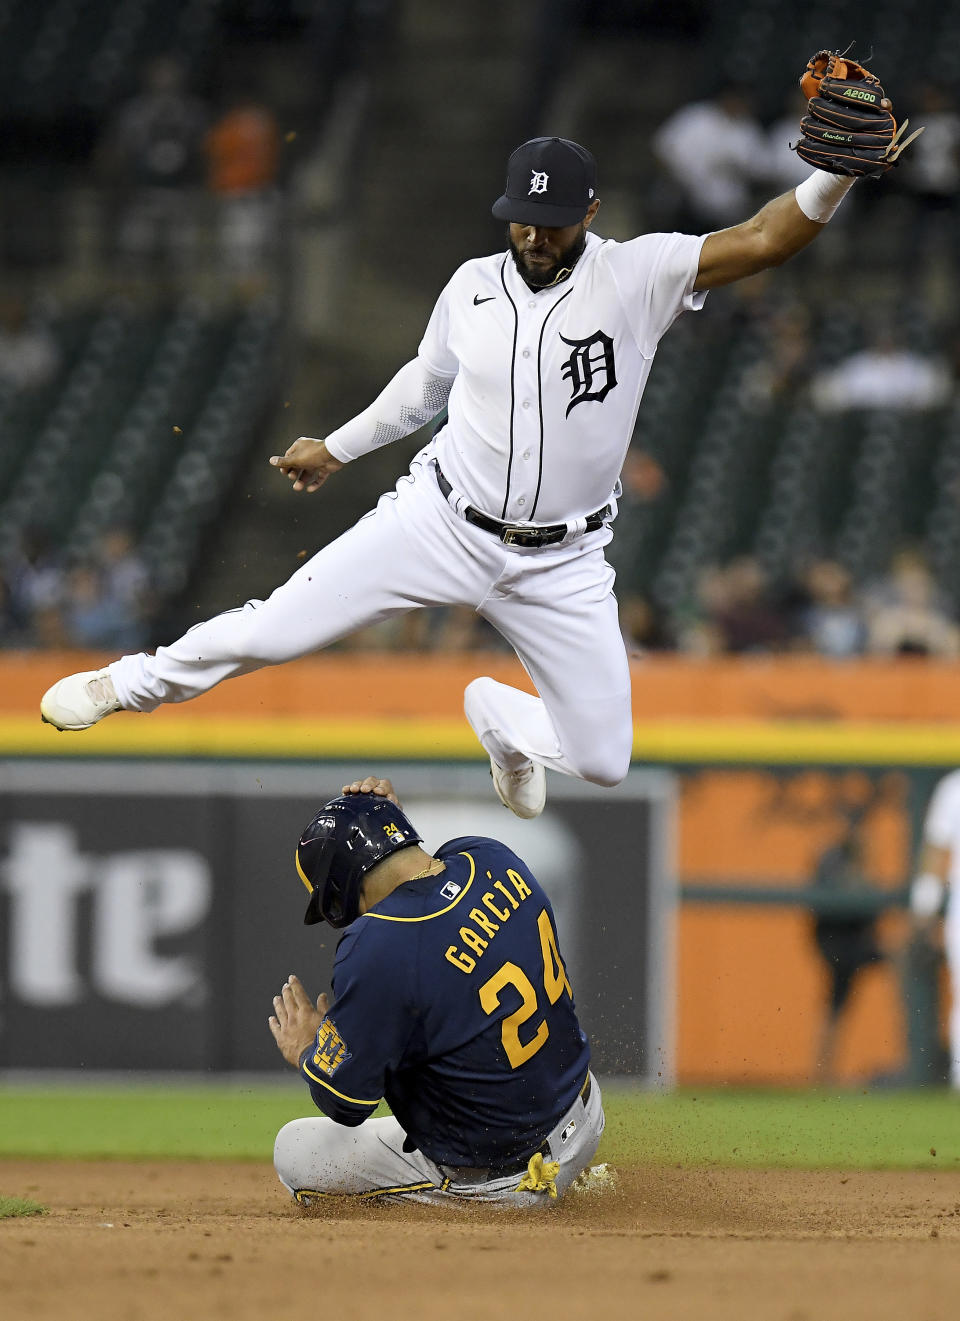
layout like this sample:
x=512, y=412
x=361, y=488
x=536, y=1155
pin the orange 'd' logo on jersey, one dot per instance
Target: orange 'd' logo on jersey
x=331, y=1049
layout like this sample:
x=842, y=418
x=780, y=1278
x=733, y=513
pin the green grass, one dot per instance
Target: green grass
x=786, y=1130
x=216, y=1121
x=11, y=1207
x=801, y=1130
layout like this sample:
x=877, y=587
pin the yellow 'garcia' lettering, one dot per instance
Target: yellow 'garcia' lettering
x=488, y=900
x=522, y=888
x=459, y=959
x=483, y=922
x=499, y=885
x=470, y=937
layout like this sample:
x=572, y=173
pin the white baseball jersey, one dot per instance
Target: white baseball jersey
x=543, y=395
x=548, y=384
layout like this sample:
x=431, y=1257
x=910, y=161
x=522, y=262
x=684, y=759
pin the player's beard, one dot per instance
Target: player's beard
x=541, y=277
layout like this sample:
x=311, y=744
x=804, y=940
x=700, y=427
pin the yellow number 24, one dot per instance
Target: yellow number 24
x=555, y=982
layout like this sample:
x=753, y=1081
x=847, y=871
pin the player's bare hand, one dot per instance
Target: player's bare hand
x=373, y=784
x=295, y=1019
x=308, y=463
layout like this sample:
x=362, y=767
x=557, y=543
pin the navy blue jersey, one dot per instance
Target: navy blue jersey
x=451, y=1000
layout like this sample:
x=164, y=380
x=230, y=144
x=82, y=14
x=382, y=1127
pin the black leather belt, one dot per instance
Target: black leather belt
x=518, y=534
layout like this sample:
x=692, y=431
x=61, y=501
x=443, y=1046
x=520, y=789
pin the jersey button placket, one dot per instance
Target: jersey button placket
x=527, y=416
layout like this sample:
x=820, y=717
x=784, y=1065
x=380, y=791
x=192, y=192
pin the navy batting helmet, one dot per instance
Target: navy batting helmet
x=344, y=840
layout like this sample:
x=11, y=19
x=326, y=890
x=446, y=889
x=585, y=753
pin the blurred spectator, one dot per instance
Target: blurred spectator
x=35, y=579
x=96, y=619
x=644, y=485
x=845, y=936
x=49, y=630
x=644, y=625
x=104, y=603
x=153, y=154
x=459, y=628
x=715, y=151
x=126, y=580
x=906, y=614
x=931, y=168
x=734, y=611
x=441, y=628
x=695, y=619
x=884, y=375
x=831, y=622
x=29, y=354
x=785, y=365
x=11, y=634
x=242, y=151
x=784, y=168
x=895, y=585
x=745, y=613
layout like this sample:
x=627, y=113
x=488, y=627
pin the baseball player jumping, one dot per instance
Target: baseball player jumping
x=540, y=354
x=451, y=1000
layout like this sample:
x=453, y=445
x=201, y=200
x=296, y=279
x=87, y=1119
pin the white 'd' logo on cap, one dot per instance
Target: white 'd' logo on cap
x=538, y=182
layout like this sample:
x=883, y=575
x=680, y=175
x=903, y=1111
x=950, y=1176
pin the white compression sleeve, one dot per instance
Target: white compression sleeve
x=413, y=397
x=820, y=195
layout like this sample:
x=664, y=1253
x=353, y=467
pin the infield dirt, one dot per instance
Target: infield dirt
x=179, y=1241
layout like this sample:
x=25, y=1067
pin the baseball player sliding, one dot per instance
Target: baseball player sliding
x=540, y=354
x=451, y=1000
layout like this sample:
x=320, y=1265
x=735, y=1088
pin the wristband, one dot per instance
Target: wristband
x=926, y=895
x=820, y=195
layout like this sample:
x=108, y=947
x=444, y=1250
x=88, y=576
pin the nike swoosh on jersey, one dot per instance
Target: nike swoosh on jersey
x=477, y=300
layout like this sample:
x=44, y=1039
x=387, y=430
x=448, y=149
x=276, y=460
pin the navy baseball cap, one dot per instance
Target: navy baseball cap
x=550, y=181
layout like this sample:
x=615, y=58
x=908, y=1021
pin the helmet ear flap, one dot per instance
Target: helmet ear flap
x=313, y=915
x=314, y=870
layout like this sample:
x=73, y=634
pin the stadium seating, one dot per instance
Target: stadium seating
x=777, y=479
x=150, y=413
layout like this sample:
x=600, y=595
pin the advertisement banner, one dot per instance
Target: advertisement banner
x=149, y=912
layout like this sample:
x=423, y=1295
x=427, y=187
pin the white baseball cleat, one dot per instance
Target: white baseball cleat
x=79, y=700
x=523, y=791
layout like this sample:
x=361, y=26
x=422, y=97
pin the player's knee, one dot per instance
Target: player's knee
x=288, y=1150
x=298, y=1156
x=604, y=766
x=607, y=776
x=314, y=1154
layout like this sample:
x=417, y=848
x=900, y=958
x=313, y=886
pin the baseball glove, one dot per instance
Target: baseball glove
x=849, y=126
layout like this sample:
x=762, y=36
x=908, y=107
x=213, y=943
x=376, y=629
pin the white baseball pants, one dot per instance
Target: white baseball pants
x=317, y=1158
x=554, y=605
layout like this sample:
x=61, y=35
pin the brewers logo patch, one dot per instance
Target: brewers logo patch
x=331, y=1049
